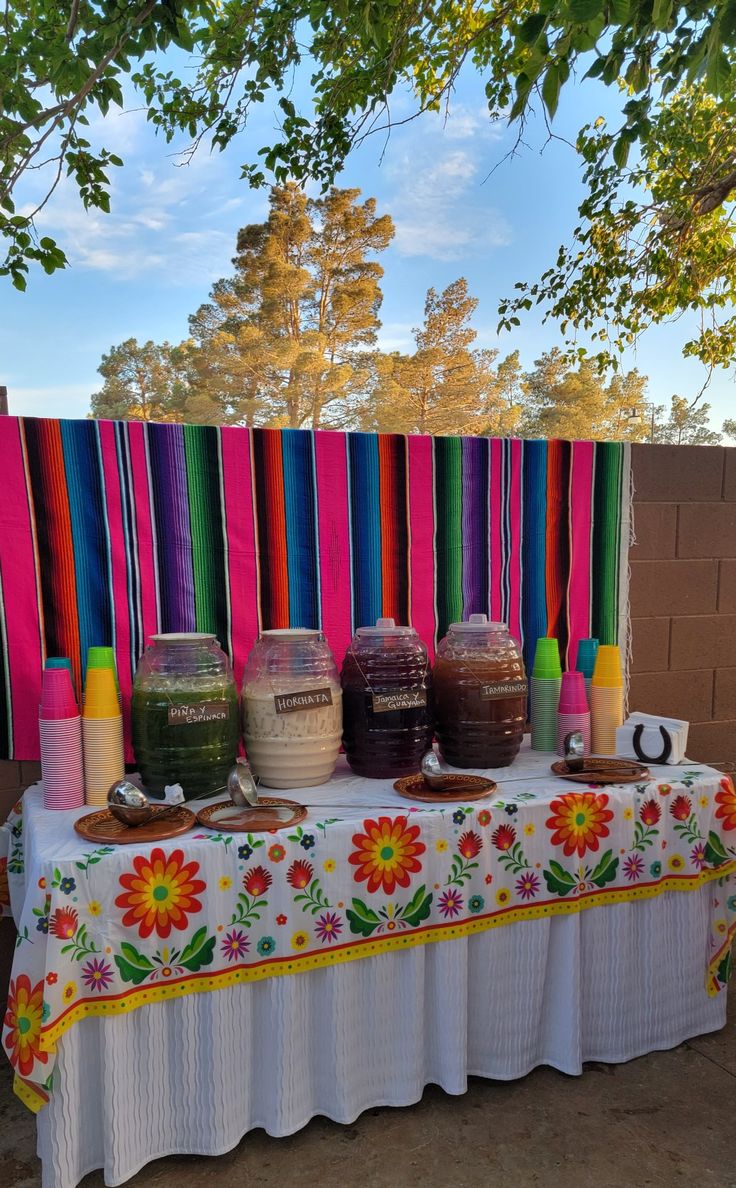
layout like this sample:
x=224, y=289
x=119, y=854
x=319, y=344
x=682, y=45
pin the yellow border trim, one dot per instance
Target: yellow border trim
x=31, y=1095
x=430, y=934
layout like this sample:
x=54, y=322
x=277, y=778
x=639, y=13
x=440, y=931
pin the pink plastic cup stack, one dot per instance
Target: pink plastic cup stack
x=573, y=712
x=60, y=728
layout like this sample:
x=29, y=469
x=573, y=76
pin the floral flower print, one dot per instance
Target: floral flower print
x=676, y=863
x=504, y=837
x=633, y=867
x=235, y=944
x=697, y=856
x=266, y=946
x=650, y=812
x=664, y=789
x=63, y=923
x=97, y=974
x=655, y=870
x=527, y=885
x=281, y=918
x=726, y=801
x=578, y=820
x=328, y=927
x=94, y=907
x=244, y=852
x=160, y=893
x=224, y=882
x=441, y=845
x=257, y=880
x=328, y=865
x=52, y=978
x=530, y=829
x=276, y=853
x=300, y=940
x=680, y=808
x=23, y=1020
x=458, y=816
x=470, y=845
x=307, y=841
x=42, y=924
x=476, y=903
x=503, y=895
x=511, y=809
x=386, y=853
x=484, y=818
x=299, y=874
x=66, y=886
x=70, y=991
x=450, y=904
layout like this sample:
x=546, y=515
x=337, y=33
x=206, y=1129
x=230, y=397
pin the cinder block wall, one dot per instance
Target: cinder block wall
x=683, y=593
x=683, y=601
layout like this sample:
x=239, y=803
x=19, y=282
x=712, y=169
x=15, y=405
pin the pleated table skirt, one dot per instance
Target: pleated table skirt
x=193, y=1075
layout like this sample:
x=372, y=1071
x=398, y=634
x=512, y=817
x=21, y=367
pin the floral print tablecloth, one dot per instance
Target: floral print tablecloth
x=105, y=930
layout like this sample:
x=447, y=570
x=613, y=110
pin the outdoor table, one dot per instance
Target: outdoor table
x=170, y=998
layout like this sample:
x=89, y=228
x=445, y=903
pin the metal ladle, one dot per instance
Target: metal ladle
x=133, y=808
x=435, y=773
x=574, y=748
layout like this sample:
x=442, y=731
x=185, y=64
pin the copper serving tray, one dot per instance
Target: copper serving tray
x=464, y=787
x=604, y=771
x=227, y=817
x=101, y=826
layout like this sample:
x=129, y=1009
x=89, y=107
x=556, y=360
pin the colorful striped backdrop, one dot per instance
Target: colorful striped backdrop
x=111, y=531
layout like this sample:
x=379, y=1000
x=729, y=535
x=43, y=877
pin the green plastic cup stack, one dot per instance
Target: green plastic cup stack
x=546, y=682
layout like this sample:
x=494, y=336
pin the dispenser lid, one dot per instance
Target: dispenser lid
x=385, y=627
x=182, y=637
x=478, y=623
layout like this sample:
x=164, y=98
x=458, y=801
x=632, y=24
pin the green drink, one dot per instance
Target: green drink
x=185, y=715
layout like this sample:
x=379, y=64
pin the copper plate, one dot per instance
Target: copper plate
x=101, y=826
x=251, y=820
x=464, y=787
x=604, y=771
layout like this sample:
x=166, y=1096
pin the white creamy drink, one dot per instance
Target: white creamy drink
x=292, y=709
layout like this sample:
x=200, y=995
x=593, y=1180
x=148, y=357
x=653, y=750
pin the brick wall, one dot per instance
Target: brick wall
x=683, y=593
x=683, y=601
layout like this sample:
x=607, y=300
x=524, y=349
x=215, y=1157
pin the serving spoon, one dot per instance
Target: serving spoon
x=435, y=773
x=129, y=805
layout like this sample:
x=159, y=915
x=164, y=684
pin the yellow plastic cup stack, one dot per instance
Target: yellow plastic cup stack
x=102, y=732
x=606, y=699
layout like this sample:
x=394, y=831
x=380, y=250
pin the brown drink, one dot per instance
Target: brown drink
x=480, y=695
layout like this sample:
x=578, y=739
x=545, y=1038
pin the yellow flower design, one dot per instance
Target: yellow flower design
x=704, y=801
x=94, y=907
x=440, y=845
x=300, y=940
x=676, y=862
x=328, y=865
x=70, y=991
x=224, y=883
x=529, y=829
x=503, y=895
x=628, y=814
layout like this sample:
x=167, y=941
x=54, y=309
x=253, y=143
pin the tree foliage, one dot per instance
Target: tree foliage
x=654, y=238
x=577, y=403
x=142, y=383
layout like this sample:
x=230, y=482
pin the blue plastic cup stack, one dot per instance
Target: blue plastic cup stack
x=587, y=652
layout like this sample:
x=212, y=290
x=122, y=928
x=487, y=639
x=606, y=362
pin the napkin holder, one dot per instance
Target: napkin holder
x=650, y=738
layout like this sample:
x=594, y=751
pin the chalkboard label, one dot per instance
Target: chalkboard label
x=289, y=703
x=404, y=699
x=201, y=711
x=503, y=689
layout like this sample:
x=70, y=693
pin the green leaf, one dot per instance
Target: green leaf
x=619, y=11
x=605, y=871
x=418, y=907
x=530, y=29
x=718, y=71
x=585, y=10
x=198, y=952
x=558, y=879
x=363, y=920
x=715, y=852
x=621, y=151
x=133, y=966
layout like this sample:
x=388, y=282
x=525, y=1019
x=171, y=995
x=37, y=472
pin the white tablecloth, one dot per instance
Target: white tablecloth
x=193, y=1075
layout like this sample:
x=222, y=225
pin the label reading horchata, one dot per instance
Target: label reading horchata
x=289, y=703
x=201, y=711
x=491, y=692
x=404, y=699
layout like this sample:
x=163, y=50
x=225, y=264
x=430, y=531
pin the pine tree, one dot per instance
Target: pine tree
x=686, y=425
x=142, y=382
x=577, y=404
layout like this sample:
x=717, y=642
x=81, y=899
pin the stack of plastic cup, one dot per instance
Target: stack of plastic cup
x=585, y=663
x=60, y=728
x=606, y=699
x=573, y=712
x=99, y=657
x=102, y=730
x=546, y=681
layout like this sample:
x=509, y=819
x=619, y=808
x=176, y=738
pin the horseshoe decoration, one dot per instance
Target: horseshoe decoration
x=666, y=746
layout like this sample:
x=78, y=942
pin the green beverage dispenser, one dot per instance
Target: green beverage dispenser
x=185, y=715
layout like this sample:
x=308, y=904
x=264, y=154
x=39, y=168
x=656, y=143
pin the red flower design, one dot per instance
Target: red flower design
x=23, y=1021
x=386, y=853
x=680, y=808
x=726, y=800
x=470, y=845
x=579, y=819
x=63, y=923
x=504, y=837
x=299, y=874
x=160, y=893
x=257, y=880
x=484, y=817
x=650, y=812
x=52, y=978
x=281, y=919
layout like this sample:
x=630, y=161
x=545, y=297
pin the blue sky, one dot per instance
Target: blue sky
x=141, y=270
